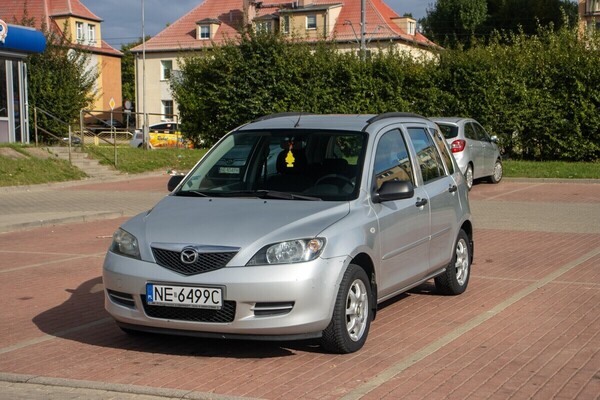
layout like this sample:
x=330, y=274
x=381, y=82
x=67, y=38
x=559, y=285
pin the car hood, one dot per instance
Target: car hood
x=248, y=224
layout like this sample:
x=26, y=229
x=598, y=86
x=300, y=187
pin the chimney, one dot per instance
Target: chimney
x=249, y=11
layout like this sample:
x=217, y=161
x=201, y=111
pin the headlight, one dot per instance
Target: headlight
x=125, y=244
x=293, y=251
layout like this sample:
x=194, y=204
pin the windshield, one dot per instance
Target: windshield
x=281, y=164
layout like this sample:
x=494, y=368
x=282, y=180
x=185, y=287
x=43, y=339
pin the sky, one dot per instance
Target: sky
x=122, y=19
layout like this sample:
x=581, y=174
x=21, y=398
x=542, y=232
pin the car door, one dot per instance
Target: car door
x=475, y=148
x=403, y=224
x=488, y=150
x=441, y=191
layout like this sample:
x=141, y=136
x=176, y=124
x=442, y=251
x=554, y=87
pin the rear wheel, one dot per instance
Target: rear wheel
x=456, y=277
x=352, y=314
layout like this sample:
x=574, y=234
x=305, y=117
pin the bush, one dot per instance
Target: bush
x=539, y=93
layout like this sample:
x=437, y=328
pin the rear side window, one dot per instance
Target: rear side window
x=427, y=154
x=441, y=144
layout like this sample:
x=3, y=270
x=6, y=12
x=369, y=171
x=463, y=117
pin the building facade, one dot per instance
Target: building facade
x=589, y=15
x=215, y=22
x=16, y=42
x=82, y=28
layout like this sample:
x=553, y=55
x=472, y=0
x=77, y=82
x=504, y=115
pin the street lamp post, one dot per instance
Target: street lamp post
x=144, y=118
x=363, y=22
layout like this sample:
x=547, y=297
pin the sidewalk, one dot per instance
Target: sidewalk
x=79, y=201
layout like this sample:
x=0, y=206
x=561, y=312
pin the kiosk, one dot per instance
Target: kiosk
x=16, y=43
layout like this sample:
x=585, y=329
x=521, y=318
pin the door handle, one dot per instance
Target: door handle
x=421, y=202
x=453, y=188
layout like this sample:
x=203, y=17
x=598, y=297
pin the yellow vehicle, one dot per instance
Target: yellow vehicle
x=163, y=135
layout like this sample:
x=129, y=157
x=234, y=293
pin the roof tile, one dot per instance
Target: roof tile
x=181, y=35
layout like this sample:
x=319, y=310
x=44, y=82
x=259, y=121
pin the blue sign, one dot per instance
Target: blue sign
x=21, y=39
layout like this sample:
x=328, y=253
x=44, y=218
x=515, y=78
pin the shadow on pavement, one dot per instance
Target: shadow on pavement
x=82, y=318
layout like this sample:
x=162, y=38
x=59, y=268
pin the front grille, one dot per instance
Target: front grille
x=224, y=315
x=206, y=262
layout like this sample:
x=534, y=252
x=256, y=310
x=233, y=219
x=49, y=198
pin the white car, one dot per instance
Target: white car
x=475, y=151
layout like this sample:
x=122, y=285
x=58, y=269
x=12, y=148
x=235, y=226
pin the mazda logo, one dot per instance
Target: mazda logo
x=188, y=255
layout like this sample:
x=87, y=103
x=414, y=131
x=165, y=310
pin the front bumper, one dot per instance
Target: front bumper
x=274, y=301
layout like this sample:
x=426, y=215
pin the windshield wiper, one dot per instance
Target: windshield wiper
x=191, y=193
x=269, y=194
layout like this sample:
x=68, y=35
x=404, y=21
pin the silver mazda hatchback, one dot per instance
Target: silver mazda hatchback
x=296, y=226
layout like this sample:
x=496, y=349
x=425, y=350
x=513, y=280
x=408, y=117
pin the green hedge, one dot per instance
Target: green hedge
x=539, y=94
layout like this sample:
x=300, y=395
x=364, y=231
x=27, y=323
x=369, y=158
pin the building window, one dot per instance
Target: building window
x=167, y=109
x=92, y=33
x=412, y=27
x=593, y=6
x=264, y=27
x=165, y=69
x=311, y=22
x=204, y=31
x=79, y=31
x=285, y=24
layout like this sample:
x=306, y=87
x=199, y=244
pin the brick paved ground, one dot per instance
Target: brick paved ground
x=527, y=327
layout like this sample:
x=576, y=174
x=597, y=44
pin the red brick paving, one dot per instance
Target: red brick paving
x=545, y=345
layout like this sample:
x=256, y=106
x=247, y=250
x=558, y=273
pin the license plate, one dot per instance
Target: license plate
x=184, y=296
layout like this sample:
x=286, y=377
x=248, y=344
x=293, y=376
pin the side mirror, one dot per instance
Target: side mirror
x=394, y=190
x=494, y=139
x=174, y=181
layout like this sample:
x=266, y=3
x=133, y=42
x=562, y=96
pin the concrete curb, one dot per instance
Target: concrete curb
x=62, y=220
x=114, y=387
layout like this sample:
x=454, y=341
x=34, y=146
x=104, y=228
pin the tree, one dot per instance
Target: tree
x=61, y=81
x=453, y=22
x=457, y=22
x=528, y=15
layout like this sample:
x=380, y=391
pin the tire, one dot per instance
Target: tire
x=456, y=277
x=469, y=176
x=352, y=314
x=496, y=177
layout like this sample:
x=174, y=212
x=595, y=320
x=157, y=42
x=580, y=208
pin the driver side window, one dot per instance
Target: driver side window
x=392, y=161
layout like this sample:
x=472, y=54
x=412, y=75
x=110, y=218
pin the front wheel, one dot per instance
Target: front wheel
x=352, y=314
x=469, y=176
x=496, y=177
x=456, y=277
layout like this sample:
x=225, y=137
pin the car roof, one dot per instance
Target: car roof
x=453, y=120
x=347, y=122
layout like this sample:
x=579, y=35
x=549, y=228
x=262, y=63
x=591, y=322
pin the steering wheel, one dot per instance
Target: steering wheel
x=341, y=178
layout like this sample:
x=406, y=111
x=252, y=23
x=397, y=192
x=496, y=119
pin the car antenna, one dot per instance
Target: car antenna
x=298, y=122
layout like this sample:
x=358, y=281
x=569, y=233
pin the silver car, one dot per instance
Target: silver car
x=475, y=151
x=296, y=226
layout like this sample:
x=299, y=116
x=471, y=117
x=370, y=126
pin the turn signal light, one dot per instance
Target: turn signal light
x=458, y=145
